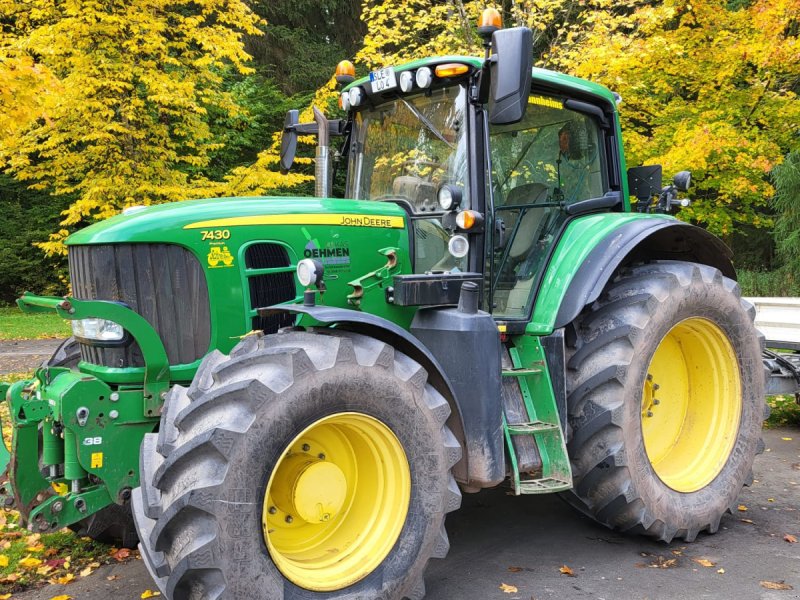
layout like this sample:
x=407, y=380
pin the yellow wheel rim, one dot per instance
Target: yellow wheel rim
x=336, y=501
x=691, y=405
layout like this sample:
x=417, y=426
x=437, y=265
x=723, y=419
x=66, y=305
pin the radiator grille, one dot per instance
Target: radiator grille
x=271, y=288
x=162, y=282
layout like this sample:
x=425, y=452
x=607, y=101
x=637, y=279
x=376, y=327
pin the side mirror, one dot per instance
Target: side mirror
x=289, y=140
x=510, y=71
x=682, y=181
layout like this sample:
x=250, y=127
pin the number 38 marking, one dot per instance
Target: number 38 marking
x=92, y=441
x=215, y=234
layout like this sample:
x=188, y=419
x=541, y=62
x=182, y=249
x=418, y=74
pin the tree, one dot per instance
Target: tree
x=787, y=223
x=136, y=82
x=705, y=87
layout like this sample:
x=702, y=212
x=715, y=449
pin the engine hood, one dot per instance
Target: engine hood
x=164, y=222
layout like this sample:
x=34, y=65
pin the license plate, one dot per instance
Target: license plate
x=382, y=80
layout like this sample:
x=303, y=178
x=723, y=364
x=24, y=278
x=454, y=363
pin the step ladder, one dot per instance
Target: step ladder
x=539, y=460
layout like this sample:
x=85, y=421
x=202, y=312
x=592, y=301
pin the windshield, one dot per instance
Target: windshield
x=407, y=148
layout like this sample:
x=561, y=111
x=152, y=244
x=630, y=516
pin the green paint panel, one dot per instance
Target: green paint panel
x=579, y=239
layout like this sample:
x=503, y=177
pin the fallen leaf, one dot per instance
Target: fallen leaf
x=663, y=563
x=746, y=521
x=86, y=572
x=44, y=570
x=565, y=570
x=11, y=577
x=5, y=596
x=704, y=562
x=35, y=548
x=3, y=560
x=61, y=597
x=515, y=569
x=29, y=562
x=152, y=594
x=677, y=552
x=721, y=571
x=790, y=538
x=775, y=585
x=55, y=562
x=508, y=589
x=112, y=577
x=770, y=499
x=121, y=554
x=786, y=439
x=742, y=508
x=65, y=579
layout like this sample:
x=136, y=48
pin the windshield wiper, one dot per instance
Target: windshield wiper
x=426, y=122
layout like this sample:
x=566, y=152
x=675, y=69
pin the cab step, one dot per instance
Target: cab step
x=534, y=437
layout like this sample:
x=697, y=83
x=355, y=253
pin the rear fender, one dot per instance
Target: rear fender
x=594, y=247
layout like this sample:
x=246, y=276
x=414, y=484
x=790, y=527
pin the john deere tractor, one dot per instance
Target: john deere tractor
x=315, y=382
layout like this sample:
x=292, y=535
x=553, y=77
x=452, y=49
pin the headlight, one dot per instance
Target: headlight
x=424, y=77
x=406, y=81
x=449, y=197
x=458, y=246
x=309, y=272
x=98, y=330
x=356, y=96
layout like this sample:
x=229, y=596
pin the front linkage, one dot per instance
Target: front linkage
x=75, y=440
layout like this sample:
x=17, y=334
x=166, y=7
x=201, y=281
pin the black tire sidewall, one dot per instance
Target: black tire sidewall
x=373, y=391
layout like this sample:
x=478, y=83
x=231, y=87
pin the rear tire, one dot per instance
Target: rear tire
x=665, y=400
x=114, y=523
x=221, y=478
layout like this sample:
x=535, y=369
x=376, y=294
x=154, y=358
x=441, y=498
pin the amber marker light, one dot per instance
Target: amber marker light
x=451, y=70
x=489, y=21
x=345, y=72
x=467, y=219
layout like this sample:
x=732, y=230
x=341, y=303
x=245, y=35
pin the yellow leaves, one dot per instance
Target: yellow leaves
x=149, y=594
x=507, y=589
x=64, y=580
x=775, y=585
x=3, y=560
x=741, y=508
x=29, y=562
x=704, y=562
x=61, y=597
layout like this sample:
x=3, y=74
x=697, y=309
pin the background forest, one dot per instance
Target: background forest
x=109, y=104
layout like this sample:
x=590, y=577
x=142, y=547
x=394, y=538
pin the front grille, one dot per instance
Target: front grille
x=270, y=288
x=162, y=282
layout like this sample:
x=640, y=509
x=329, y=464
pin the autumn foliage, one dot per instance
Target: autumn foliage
x=109, y=102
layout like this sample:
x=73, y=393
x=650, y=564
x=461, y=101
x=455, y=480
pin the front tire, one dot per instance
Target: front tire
x=306, y=465
x=665, y=400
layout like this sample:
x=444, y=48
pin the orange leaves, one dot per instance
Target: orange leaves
x=565, y=570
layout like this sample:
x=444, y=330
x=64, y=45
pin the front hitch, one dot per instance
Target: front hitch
x=72, y=434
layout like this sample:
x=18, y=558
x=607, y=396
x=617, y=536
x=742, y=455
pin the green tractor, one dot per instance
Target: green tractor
x=314, y=382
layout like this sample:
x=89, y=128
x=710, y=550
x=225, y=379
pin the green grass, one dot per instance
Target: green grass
x=785, y=411
x=16, y=325
x=767, y=283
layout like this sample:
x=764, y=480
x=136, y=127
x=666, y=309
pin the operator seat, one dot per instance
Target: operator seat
x=527, y=234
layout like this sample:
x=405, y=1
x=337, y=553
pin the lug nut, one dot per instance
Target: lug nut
x=272, y=510
x=321, y=456
x=656, y=386
x=58, y=506
x=306, y=447
x=113, y=414
x=289, y=518
x=114, y=396
x=649, y=413
x=656, y=402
